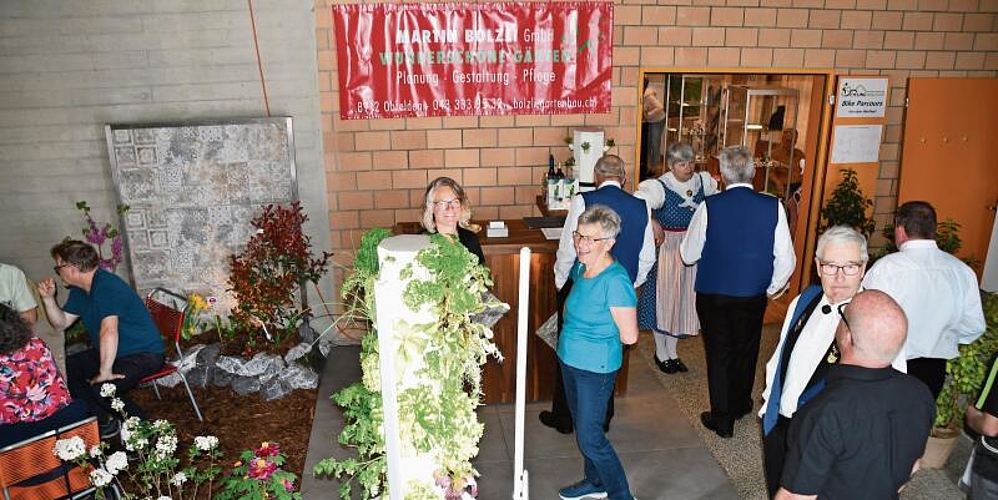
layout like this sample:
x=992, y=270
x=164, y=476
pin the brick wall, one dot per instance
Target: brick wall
x=68, y=68
x=376, y=170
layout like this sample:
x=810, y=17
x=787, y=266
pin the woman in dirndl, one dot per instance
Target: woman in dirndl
x=667, y=305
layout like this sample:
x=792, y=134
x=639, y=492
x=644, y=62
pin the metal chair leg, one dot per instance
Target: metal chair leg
x=191, y=395
x=155, y=387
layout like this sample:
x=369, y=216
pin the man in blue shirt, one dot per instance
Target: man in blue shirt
x=125, y=343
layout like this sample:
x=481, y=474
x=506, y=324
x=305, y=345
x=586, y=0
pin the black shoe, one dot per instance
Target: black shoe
x=724, y=431
x=666, y=366
x=680, y=367
x=549, y=419
x=109, y=428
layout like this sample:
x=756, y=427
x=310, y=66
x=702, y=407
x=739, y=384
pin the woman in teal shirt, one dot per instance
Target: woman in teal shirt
x=600, y=316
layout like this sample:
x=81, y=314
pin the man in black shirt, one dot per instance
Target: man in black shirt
x=983, y=418
x=861, y=438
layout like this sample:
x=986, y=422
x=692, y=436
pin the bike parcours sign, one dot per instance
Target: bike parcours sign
x=462, y=59
x=861, y=98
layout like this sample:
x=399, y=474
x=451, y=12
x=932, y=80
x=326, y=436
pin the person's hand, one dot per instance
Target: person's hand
x=659, y=233
x=46, y=288
x=105, y=377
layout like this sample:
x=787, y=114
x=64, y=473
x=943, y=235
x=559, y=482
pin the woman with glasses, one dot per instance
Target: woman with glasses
x=796, y=371
x=600, y=317
x=673, y=198
x=446, y=210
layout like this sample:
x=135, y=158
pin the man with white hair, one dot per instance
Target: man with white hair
x=742, y=243
x=862, y=437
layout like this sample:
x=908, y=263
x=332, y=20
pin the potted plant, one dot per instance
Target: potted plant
x=847, y=206
x=965, y=375
x=437, y=404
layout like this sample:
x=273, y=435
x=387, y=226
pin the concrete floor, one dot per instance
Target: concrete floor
x=663, y=455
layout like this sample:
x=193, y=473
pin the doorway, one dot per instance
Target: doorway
x=781, y=116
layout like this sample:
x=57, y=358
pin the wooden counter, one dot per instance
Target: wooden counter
x=502, y=256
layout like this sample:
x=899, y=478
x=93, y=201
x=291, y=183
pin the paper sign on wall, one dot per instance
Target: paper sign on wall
x=857, y=143
x=861, y=98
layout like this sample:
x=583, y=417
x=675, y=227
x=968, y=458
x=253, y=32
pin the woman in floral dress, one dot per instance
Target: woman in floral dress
x=33, y=395
x=667, y=305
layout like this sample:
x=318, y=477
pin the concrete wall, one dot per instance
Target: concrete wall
x=68, y=68
x=377, y=169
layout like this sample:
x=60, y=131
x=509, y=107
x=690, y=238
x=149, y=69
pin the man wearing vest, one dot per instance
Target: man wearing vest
x=634, y=249
x=741, y=241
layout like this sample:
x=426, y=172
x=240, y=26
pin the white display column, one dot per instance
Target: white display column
x=587, y=149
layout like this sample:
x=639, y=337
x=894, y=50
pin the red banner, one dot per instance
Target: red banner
x=400, y=60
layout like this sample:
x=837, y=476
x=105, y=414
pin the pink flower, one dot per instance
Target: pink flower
x=261, y=469
x=267, y=449
x=288, y=485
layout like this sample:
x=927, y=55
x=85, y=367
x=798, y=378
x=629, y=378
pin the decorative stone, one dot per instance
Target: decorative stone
x=203, y=371
x=222, y=378
x=300, y=377
x=275, y=389
x=246, y=385
x=297, y=352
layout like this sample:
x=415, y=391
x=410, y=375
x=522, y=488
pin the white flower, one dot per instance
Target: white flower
x=70, y=449
x=164, y=497
x=107, y=390
x=117, y=462
x=95, y=451
x=117, y=405
x=100, y=477
x=166, y=445
x=160, y=425
x=179, y=479
x=205, y=443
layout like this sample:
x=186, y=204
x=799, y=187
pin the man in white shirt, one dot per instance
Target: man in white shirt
x=741, y=241
x=634, y=249
x=937, y=292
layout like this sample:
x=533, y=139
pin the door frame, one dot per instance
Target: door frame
x=812, y=189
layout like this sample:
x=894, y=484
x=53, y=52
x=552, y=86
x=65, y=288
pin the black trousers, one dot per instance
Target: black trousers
x=732, y=328
x=83, y=366
x=931, y=371
x=774, y=454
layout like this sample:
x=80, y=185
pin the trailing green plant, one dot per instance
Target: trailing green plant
x=437, y=405
x=266, y=278
x=967, y=372
x=847, y=206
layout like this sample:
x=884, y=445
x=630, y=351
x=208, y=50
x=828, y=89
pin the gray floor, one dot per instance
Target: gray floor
x=664, y=455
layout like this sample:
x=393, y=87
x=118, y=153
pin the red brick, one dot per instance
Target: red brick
x=390, y=160
x=708, y=37
x=824, y=19
x=774, y=37
x=341, y=181
x=978, y=22
x=426, y=158
x=868, y=40
x=788, y=58
x=727, y=16
x=514, y=176
x=837, y=39
x=930, y=41
x=627, y=15
x=758, y=58
x=902, y=5
x=532, y=156
x=947, y=22
x=443, y=139
x=424, y=123
x=654, y=14
x=881, y=59
x=887, y=20
x=479, y=176
x=640, y=35
x=550, y=136
x=533, y=120
x=394, y=198
x=723, y=57
x=959, y=41
x=496, y=121
x=741, y=37
x=675, y=35
x=515, y=211
x=805, y=38
x=479, y=138
x=850, y=58
x=355, y=200
x=370, y=219
x=693, y=16
x=792, y=18
x=911, y=60
x=940, y=60
x=691, y=56
x=403, y=179
x=653, y=56
x=459, y=158
x=627, y=56
x=917, y=21
x=933, y=5
x=497, y=195
x=899, y=40
x=388, y=124
x=353, y=161
x=819, y=58
x=370, y=141
x=969, y=61
x=762, y=18
x=986, y=42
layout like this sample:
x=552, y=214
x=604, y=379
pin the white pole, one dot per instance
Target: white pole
x=520, y=482
x=389, y=389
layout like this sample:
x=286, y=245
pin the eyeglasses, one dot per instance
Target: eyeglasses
x=589, y=240
x=60, y=266
x=444, y=205
x=842, y=314
x=850, y=269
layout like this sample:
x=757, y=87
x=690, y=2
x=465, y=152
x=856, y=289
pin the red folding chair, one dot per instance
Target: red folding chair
x=169, y=320
x=30, y=470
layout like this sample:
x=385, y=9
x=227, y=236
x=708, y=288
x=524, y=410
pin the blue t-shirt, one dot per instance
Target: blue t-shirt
x=590, y=339
x=111, y=296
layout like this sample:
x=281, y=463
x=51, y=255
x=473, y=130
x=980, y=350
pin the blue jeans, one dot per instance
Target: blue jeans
x=587, y=393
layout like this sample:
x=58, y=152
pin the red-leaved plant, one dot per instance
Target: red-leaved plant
x=266, y=276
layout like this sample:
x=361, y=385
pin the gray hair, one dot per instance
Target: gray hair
x=428, y=221
x=603, y=215
x=678, y=152
x=610, y=166
x=840, y=235
x=737, y=165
